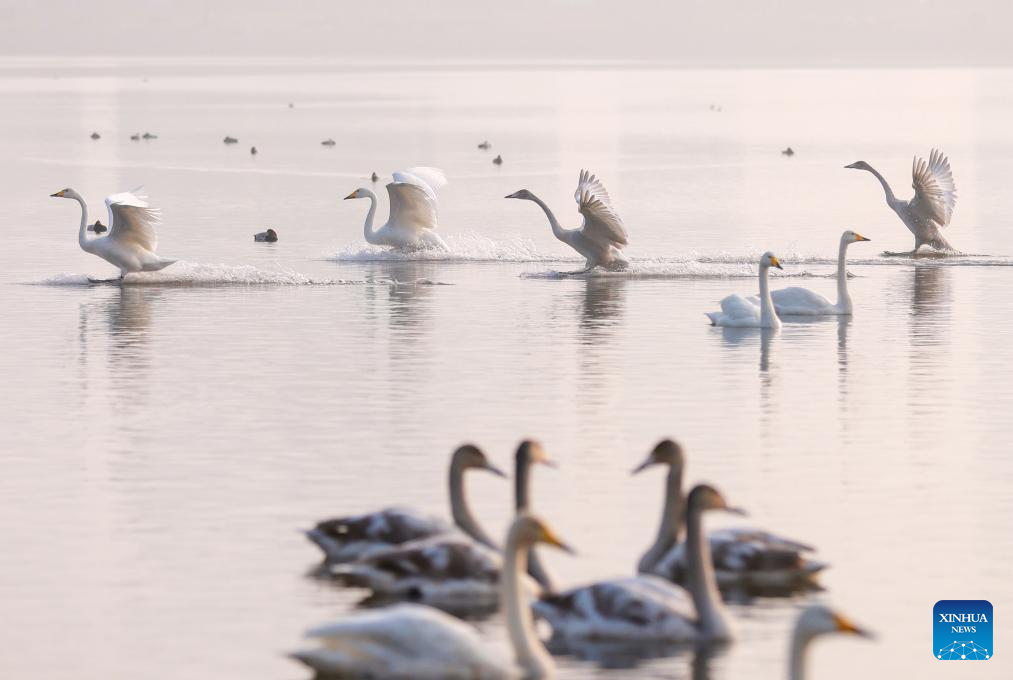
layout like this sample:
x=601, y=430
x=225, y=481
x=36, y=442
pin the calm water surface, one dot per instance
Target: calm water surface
x=164, y=443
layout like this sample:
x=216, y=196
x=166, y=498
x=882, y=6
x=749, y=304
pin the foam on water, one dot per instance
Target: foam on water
x=199, y=274
x=464, y=247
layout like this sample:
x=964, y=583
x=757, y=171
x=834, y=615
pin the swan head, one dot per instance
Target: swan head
x=361, y=192
x=706, y=497
x=529, y=529
x=66, y=193
x=820, y=620
x=853, y=237
x=859, y=165
x=769, y=259
x=470, y=456
x=523, y=194
x=665, y=452
x=530, y=452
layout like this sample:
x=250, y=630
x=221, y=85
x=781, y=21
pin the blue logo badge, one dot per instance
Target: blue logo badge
x=962, y=630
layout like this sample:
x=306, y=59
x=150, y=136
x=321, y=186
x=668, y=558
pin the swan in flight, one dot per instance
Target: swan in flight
x=447, y=570
x=804, y=302
x=416, y=641
x=930, y=210
x=602, y=236
x=646, y=608
x=747, y=558
x=814, y=621
x=131, y=242
x=349, y=538
x=740, y=312
x=412, y=221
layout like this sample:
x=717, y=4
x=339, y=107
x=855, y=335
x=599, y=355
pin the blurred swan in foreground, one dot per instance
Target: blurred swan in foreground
x=131, y=242
x=349, y=538
x=602, y=236
x=415, y=641
x=413, y=210
x=446, y=570
x=813, y=622
x=930, y=210
x=739, y=312
x=647, y=608
x=804, y=302
x=742, y=558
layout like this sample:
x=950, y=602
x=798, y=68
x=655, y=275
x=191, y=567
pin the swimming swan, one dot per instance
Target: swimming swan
x=349, y=538
x=131, y=242
x=412, y=221
x=739, y=312
x=647, y=608
x=747, y=558
x=602, y=236
x=415, y=641
x=930, y=210
x=813, y=622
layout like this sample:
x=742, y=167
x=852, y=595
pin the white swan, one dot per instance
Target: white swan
x=414, y=641
x=930, y=210
x=797, y=301
x=743, y=558
x=602, y=236
x=131, y=242
x=349, y=538
x=739, y=312
x=445, y=570
x=647, y=608
x=813, y=622
x=413, y=204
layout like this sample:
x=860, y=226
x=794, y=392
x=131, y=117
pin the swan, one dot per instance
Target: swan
x=647, y=608
x=349, y=538
x=410, y=641
x=814, y=621
x=413, y=204
x=742, y=557
x=448, y=570
x=739, y=312
x=269, y=236
x=804, y=302
x=131, y=242
x=602, y=236
x=930, y=210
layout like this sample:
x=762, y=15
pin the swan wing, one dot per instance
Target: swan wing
x=935, y=192
x=427, y=179
x=348, y=538
x=132, y=221
x=736, y=306
x=799, y=301
x=601, y=222
x=411, y=207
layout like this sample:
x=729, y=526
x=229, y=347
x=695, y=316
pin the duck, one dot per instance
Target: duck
x=148, y=135
x=485, y=146
x=415, y=641
x=231, y=140
x=269, y=236
x=135, y=137
x=788, y=152
x=96, y=135
x=328, y=142
x=98, y=227
x=739, y=312
x=498, y=160
x=751, y=559
x=345, y=539
x=253, y=151
x=813, y=622
x=374, y=178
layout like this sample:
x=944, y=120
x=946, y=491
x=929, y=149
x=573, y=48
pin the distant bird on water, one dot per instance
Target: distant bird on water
x=136, y=136
x=231, y=140
x=98, y=227
x=328, y=142
x=253, y=151
x=930, y=210
x=485, y=146
x=269, y=236
x=789, y=151
x=375, y=177
x=96, y=135
x=148, y=135
x=498, y=160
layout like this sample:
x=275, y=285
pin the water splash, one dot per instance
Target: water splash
x=464, y=247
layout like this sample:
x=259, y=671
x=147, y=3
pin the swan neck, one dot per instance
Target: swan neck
x=522, y=483
x=557, y=229
x=461, y=511
x=528, y=650
x=671, y=521
x=367, y=227
x=702, y=582
x=82, y=233
x=768, y=315
x=796, y=656
x=843, y=299
x=891, y=200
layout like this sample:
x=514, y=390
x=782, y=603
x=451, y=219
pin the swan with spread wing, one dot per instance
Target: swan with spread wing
x=413, y=211
x=930, y=210
x=602, y=236
x=131, y=242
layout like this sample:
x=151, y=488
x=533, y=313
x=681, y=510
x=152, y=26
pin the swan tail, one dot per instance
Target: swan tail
x=713, y=316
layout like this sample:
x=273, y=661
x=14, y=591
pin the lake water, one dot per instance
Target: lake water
x=163, y=444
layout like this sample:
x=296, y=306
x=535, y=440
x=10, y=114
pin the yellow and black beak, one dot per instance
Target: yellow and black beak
x=859, y=237
x=551, y=539
x=58, y=194
x=846, y=626
x=774, y=262
x=354, y=194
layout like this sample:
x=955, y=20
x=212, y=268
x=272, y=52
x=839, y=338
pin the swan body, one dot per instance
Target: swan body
x=413, y=211
x=813, y=622
x=132, y=240
x=345, y=539
x=748, y=558
x=798, y=301
x=417, y=642
x=646, y=608
x=269, y=236
x=602, y=236
x=739, y=312
x=931, y=209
